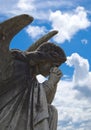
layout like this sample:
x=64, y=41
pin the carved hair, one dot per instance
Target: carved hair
x=47, y=52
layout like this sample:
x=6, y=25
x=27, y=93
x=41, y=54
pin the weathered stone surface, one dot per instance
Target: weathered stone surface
x=25, y=104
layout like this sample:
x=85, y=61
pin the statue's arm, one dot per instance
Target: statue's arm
x=50, y=85
x=50, y=91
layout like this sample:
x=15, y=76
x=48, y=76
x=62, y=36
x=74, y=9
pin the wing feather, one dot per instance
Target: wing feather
x=43, y=39
x=10, y=27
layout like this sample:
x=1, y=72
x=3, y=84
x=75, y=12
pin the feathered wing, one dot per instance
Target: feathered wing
x=40, y=41
x=8, y=29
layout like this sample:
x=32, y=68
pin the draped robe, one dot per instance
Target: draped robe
x=23, y=102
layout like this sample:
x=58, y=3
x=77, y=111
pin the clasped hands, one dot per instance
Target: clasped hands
x=55, y=75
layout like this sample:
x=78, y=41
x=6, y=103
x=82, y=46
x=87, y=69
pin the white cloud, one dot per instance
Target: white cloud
x=38, y=9
x=6, y=7
x=81, y=72
x=72, y=112
x=26, y=5
x=84, y=41
x=69, y=23
x=72, y=100
x=35, y=31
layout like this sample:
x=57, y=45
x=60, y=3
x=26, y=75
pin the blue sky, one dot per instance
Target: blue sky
x=72, y=18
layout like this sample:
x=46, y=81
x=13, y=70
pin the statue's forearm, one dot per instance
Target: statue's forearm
x=51, y=84
x=50, y=90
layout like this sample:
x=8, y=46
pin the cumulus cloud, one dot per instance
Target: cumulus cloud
x=73, y=96
x=69, y=23
x=35, y=8
x=35, y=31
x=26, y=5
x=81, y=73
x=72, y=112
x=81, y=76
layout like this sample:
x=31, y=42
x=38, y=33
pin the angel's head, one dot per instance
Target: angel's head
x=42, y=59
x=45, y=57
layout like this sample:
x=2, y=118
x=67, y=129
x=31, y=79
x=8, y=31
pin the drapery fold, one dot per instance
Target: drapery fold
x=19, y=102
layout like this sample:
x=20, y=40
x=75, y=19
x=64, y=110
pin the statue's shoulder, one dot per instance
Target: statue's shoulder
x=18, y=55
x=19, y=61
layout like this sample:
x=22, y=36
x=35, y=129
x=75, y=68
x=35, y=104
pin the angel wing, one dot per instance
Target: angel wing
x=8, y=29
x=40, y=41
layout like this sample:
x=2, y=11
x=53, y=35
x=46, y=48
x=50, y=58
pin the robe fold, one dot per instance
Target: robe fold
x=23, y=104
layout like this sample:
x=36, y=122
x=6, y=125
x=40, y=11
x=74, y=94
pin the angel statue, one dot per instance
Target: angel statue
x=25, y=104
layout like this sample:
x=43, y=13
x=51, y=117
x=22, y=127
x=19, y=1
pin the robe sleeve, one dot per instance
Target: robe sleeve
x=50, y=90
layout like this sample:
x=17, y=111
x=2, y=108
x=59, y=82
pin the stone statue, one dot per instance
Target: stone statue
x=25, y=104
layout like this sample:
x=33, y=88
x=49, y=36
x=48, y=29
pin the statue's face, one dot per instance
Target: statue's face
x=44, y=68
